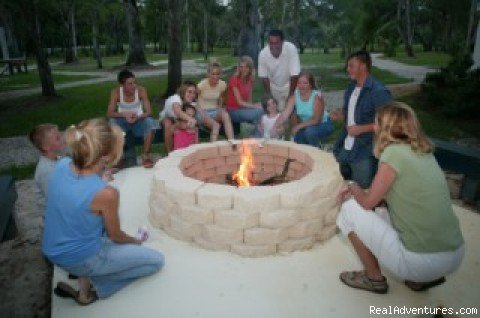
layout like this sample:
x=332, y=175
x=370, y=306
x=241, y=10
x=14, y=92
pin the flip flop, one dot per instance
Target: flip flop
x=66, y=291
x=360, y=280
x=424, y=286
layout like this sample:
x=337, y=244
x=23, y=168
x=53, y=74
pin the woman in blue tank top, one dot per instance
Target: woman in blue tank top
x=310, y=120
x=82, y=231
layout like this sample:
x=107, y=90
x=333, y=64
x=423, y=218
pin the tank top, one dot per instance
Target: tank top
x=135, y=106
x=72, y=232
x=304, y=109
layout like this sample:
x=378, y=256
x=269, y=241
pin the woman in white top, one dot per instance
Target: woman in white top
x=129, y=107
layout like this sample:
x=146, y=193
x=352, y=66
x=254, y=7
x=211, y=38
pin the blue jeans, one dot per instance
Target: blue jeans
x=245, y=114
x=117, y=265
x=312, y=135
x=361, y=171
x=141, y=128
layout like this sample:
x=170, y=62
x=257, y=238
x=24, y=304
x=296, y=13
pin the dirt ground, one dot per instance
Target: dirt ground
x=25, y=276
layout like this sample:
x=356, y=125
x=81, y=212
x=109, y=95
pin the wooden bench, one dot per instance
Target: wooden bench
x=12, y=64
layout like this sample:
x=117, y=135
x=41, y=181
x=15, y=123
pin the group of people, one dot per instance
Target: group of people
x=395, y=207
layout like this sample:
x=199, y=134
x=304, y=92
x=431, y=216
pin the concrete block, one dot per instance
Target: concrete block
x=233, y=160
x=187, y=229
x=177, y=234
x=226, y=169
x=183, y=190
x=327, y=233
x=232, y=219
x=254, y=250
x=206, y=153
x=194, y=168
x=212, y=246
x=301, y=244
x=304, y=229
x=159, y=217
x=263, y=236
x=278, y=150
x=256, y=199
x=278, y=218
x=318, y=209
x=218, y=161
x=215, y=196
x=297, y=155
x=216, y=234
x=196, y=214
x=297, y=194
x=263, y=159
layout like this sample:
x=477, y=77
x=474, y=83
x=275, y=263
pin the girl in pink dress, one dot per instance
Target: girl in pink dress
x=183, y=135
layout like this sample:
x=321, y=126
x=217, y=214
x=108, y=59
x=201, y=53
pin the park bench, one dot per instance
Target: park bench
x=463, y=160
x=11, y=64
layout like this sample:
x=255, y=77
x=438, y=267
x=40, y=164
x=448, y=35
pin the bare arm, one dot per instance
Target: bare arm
x=112, y=105
x=266, y=86
x=241, y=102
x=337, y=115
x=285, y=114
x=293, y=84
x=177, y=110
x=147, y=107
x=356, y=130
x=381, y=184
x=105, y=203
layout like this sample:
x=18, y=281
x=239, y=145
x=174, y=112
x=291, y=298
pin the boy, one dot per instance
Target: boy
x=48, y=140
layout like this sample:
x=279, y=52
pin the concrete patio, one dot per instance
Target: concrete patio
x=200, y=283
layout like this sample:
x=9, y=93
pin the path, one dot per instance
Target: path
x=416, y=73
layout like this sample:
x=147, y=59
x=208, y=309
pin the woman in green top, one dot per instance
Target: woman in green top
x=419, y=240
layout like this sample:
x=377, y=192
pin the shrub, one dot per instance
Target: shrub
x=455, y=90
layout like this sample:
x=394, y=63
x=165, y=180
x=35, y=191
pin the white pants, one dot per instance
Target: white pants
x=375, y=230
x=281, y=96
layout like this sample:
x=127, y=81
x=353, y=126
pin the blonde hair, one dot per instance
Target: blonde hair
x=38, y=135
x=93, y=139
x=212, y=65
x=398, y=124
x=249, y=62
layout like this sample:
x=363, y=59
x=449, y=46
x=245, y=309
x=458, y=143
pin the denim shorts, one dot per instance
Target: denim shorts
x=140, y=128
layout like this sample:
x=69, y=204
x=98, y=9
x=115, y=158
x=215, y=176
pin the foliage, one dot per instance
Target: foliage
x=455, y=90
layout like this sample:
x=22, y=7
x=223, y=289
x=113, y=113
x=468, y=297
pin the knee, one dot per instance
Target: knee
x=158, y=262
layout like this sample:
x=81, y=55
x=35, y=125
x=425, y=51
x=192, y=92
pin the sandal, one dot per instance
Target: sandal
x=147, y=163
x=66, y=291
x=424, y=286
x=361, y=281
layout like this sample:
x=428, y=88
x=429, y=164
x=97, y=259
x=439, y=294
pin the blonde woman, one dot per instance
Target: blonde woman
x=419, y=240
x=211, y=98
x=81, y=207
x=239, y=94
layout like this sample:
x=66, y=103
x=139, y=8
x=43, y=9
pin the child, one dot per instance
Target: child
x=270, y=107
x=48, y=140
x=184, y=135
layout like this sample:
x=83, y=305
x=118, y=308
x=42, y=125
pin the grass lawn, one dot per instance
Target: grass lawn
x=429, y=59
x=31, y=79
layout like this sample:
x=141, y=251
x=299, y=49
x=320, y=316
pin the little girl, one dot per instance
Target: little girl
x=183, y=135
x=270, y=107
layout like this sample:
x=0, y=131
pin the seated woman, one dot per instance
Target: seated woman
x=239, y=94
x=419, y=240
x=211, y=98
x=129, y=107
x=187, y=93
x=311, y=121
x=82, y=208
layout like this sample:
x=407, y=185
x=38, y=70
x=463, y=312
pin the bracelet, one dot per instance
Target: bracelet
x=351, y=183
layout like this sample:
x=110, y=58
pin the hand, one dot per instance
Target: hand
x=191, y=122
x=131, y=118
x=336, y=115
x=257, y=105
x=344, y=194
x=294, y=130
x=354, y=130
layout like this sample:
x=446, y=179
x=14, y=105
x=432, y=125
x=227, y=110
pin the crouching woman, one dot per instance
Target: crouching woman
x=82, y=231
x=419, y=240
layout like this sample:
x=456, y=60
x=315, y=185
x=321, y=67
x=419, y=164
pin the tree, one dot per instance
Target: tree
x=405, y=25
x=136, y=53
x=66, y=10
x=175, y=9
x=249, y=37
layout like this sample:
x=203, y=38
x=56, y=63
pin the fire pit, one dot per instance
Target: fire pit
x=253, y=198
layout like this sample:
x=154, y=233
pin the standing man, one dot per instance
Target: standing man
x=129, y=107
x=354, y=146
x=278, y=67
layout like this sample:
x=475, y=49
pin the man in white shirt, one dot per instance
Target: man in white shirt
x=278, y=67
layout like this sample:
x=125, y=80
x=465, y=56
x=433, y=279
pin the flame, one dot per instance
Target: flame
x=242, y=176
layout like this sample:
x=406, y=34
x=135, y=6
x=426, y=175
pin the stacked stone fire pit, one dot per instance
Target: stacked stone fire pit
x=191, y=198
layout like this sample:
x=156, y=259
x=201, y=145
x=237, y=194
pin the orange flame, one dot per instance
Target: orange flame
x=243, y=176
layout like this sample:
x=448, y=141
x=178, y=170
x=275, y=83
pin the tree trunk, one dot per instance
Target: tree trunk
x=175, y=8
x=404, y=26
x=249, y=38
x=74, y=31
x=96, y=46
x=471, y=21
x=205, y=34
x=136, y=53
x=187, y=24
x=44, y=71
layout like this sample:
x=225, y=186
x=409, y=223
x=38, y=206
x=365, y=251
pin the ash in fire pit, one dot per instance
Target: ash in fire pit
x=192, y=198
